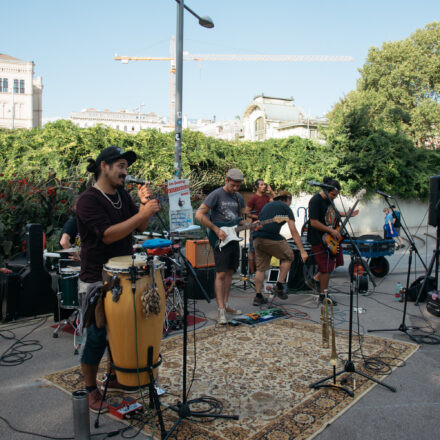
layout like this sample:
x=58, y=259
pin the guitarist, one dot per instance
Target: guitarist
x=226, y=205
x=323, y=218
x=268, y=243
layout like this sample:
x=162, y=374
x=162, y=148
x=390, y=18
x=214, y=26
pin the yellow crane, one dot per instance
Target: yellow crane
x=226, y=57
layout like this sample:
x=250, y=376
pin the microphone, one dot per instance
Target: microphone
x=131, y=179
x=383, y=194
x=322, y=185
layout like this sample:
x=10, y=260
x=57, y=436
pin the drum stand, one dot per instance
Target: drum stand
x=74, y=321
x=152, y=391
x=183, y=408
x=244, y=266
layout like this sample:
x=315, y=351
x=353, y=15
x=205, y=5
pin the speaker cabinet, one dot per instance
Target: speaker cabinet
x=200, y=253
x=34, y=246
x=434, y=200
x=206, y=276
x=9, y=296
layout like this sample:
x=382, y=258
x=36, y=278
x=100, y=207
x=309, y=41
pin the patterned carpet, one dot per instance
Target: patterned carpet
x=261, y=373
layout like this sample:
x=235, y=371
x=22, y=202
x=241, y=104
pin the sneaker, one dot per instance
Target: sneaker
x=281, y=293
x=95, y=400
x=322, y=296
x=221, y=317
x=114, y=385
x=259, y=301
x=232, y=311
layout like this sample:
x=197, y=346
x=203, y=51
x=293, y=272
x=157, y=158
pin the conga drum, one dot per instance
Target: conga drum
x=130, y=333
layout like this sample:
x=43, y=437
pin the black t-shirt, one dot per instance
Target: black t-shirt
x=71, y=229
x=95, y=214
x=272, y=230
x=320, y=209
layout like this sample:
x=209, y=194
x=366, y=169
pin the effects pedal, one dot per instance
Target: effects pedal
x=126, y=409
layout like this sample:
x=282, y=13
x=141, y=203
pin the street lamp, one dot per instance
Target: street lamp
x=205, y=22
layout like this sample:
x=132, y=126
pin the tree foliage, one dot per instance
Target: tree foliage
x=399, y=87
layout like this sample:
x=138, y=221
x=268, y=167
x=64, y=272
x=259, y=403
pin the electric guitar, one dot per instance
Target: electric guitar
x=329, y=241
x=231, y=229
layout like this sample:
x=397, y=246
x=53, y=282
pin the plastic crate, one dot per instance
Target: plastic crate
x=370, y=248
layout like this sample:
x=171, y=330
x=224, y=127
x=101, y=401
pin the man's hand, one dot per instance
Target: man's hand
x=335, y=234
x=149, y=208
x=144, y=193
x=355, y=213
x=256, y=225
x=221, y=234
x=304, y=255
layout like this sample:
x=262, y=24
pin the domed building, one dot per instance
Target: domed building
x=267, y=117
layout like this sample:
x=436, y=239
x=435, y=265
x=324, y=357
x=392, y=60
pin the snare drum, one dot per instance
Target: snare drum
x=130, y=333
x=68, y=287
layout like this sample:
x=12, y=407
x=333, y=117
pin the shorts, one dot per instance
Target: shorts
x=265, y=249
x=327, y=263
x=228, y=257
x=95, y=338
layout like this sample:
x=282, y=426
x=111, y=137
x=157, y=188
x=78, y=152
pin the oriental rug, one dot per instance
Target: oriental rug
x=262, y=374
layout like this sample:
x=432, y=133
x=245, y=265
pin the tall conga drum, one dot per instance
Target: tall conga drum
x=131, y=333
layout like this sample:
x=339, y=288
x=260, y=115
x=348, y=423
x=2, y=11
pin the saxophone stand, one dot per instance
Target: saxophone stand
x=349, y=366
x=413, y=248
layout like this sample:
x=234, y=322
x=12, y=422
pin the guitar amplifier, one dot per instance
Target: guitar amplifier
x=200, y=253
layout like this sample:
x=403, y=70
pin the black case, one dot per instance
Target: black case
x=10, y=285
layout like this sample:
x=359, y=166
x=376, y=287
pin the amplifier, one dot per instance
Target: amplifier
x=10, y=285
x=200, y=253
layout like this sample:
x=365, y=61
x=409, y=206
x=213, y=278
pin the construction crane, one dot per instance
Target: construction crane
x=227, y=57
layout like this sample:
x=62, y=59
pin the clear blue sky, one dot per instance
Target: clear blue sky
x=73, y=42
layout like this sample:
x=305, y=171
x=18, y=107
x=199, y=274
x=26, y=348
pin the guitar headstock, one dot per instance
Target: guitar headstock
x=360, y=194
x=280, y=218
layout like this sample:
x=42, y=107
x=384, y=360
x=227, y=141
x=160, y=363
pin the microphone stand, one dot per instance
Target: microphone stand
x=413, y=248
x=182, y=408
x=349, y=366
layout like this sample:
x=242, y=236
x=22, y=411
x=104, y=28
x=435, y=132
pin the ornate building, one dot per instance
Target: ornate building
x=20, y=94
x=267, y=117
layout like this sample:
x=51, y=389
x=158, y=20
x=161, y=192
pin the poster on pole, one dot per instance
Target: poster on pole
x=181, y=213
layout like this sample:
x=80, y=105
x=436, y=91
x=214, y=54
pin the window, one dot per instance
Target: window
x=18, y=85
x=259, y=129
x=15, y=85
x=22, y=86
x=4, y=85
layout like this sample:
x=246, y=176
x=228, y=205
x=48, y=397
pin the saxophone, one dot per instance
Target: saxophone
x=327, y=319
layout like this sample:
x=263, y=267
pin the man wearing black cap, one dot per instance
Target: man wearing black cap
x=268, y=243
x=106, y=217
x=226, y=205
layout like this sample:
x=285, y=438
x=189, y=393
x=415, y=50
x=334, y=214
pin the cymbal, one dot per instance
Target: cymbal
x=73, y=249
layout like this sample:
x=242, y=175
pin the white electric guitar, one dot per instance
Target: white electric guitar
x=232, y=231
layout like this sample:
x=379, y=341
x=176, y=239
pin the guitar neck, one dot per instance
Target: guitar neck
x=347, y=217
x=251, y=225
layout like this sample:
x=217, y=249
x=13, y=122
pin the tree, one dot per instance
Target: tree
x=400, y=84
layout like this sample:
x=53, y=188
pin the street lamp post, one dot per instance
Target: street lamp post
x=205, y=22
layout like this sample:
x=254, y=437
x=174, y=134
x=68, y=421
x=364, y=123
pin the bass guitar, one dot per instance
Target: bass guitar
x=329, y=241
x=231, y=230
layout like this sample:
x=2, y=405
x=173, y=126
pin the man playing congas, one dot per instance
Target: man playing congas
x=106, y=216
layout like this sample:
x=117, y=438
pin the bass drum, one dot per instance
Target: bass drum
x=129, y=332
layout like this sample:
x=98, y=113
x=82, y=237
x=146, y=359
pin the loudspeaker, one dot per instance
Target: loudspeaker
x=206, y=276
x=434, y=200
x=9, y=296
x=34, y=245
x=200, y=253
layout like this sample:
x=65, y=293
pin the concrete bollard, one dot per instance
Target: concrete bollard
x=81, y=418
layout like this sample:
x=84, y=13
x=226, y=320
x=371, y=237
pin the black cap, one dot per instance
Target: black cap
x=110, y=154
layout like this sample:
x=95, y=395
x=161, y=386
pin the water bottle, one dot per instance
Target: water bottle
x=398, y=289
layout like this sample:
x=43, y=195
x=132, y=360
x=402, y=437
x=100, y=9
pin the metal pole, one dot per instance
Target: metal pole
x=179, y=76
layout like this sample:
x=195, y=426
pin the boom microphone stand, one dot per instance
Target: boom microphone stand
x=183, y=408
x=413, y=248
x=349, y=366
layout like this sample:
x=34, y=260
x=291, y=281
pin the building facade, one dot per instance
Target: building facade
x=20, y=94
x=128, y=122
x=267, y=117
